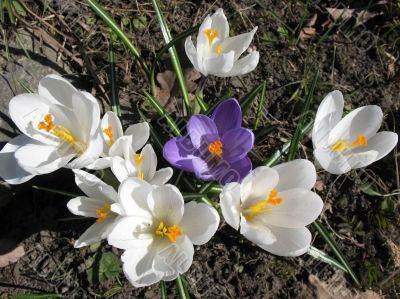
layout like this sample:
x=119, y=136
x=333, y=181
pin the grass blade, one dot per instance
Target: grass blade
x=249, y=98
x=163, y=289
x=260, y=104
x=294, y=144
x=182, y=287
x=332, y=244
x=156, y=137
x=163, y=113
x=55, y=191
x=322, y=256
x=277, y=155
x=99, y=10
x=173, y=42
x=116, y=108
x=35, y=296
x=174, y=56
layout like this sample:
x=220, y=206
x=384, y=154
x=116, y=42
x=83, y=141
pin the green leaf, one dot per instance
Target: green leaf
x=163, y=113
x=117, y=30
x=19, y=9
x=335, y=248
x=261, y=103
x=322, y=256
x=248, y=99
x=370, y=189
x=55, y=191
x=112, y=292
x=140, y=22
x=283, y=32
x=297, y=136
x=163, y=290
x=176, y=64
x=182, y=287
x=105, y=266
x=115, y=106
x=35, y=296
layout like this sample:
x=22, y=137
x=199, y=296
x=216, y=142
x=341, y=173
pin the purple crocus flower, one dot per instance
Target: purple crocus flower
x=216, y=148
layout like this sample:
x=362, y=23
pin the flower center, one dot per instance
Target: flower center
x=62, y=133
x=261, y=207
x=215, y=148
x=109, y=134
x=342, y=145
x=210, y=34
x=103, y=212
x=138, y=160
x=218, y=50
x=171, y=232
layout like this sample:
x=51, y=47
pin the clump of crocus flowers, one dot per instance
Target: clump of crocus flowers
x=139, y=212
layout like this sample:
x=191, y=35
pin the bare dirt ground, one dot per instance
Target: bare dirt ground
x=357, y=54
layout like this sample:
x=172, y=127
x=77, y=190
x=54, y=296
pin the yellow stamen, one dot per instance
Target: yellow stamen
x=210, y=34
x=62, y=133
x=260, y=207
x=108, y=131
x=171, y=232
x=342, y=145
x=218, y=50
x=103, y=212
x=215, y=148
x=138, y=160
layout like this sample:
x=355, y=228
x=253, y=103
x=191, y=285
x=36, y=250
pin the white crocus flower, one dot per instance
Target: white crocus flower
x=96, y=204
x=272, y=206
x=115, y=140
x=60, y=129
x=142, y=166
x=218, y=54
x=352, y=142
x=158, y=231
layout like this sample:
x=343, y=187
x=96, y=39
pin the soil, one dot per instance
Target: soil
x=366, y=70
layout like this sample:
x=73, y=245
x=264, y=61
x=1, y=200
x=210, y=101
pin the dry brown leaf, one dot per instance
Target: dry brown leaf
x=364, y=16
x=9, y=252
x=191, y=75
x=340, y=13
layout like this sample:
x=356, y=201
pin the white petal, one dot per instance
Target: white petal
x=242, y=66
x=98, y=231
x=166, y=204
x=133, y=196
x=38, y=158
x=298, y=173
x=361, y=159
x=57, y=90
x=365, y=120
x=383, y=143
x=140, y=134
x=258, y=233
x=220, y=23
x=85, y=206
x=132, y=232
x=331, y=161
x=202, y=44
x=299, y=208
x=87, y=111
x=100, y=163
x=162, y=176
x=219, y=64
x=120, y=168
x=230, y=204
x=258, y=183
x=92, y=153
x=174, y=258
x=138, y=267
x=121, y=147
x=328, y=115
x=199, y=222
x=289, y=241
x=149, y=163
x=111, y=120
x=94, y=187
x=238, y=43
x=191, y=53
x=10, y=171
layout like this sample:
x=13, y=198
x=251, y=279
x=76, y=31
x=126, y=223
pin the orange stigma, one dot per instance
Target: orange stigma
x=342, y=145
x=210, y=34
x=103, y=212
x=171, y=232
x=108, y=131
x=215, y=148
